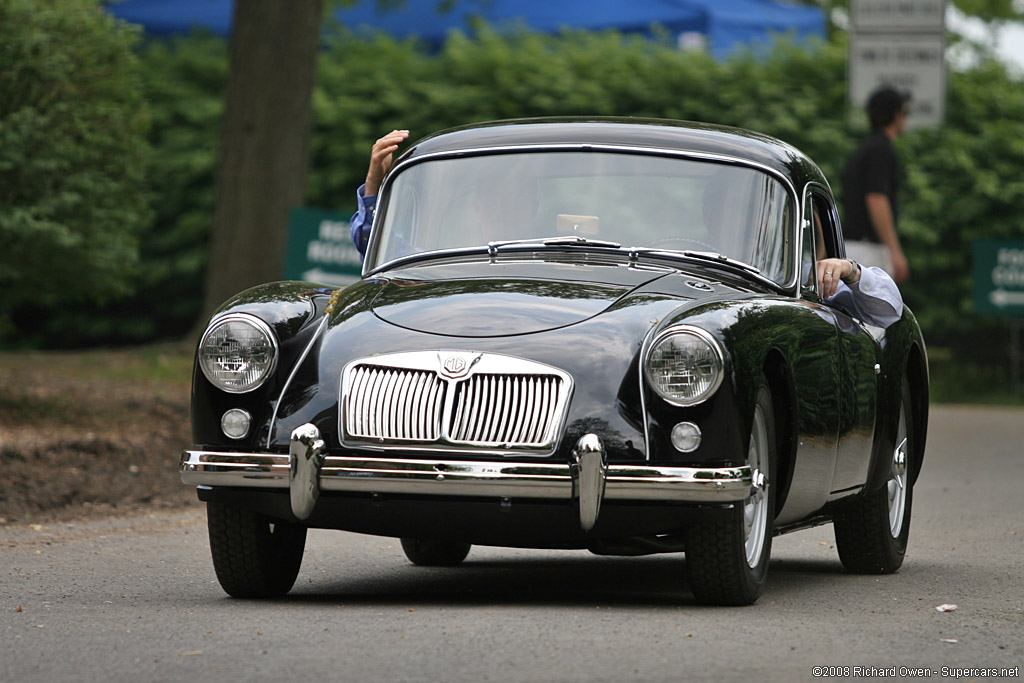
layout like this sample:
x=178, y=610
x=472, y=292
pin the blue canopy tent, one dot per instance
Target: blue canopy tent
x=724, y=24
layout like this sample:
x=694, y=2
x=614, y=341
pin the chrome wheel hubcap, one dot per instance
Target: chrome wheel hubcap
x=896, y=486
x=755, y=508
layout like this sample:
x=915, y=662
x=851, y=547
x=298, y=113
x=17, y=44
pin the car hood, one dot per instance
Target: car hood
x=588, y=318
x=500, y=299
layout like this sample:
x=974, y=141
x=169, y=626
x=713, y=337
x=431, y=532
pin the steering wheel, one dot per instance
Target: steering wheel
x=668, y=240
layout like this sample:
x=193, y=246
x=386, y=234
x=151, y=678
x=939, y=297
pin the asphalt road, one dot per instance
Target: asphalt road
x=136, y=600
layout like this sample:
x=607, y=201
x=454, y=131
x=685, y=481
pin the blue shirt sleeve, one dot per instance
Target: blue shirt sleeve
x=362, y=220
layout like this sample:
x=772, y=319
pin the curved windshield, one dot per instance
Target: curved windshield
x=635, y=200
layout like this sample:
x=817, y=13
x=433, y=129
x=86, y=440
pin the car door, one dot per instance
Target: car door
x=815, y=362
x=858, y=355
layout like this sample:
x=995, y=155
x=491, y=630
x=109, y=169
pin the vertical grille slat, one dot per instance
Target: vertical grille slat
x=398, y=397
x=513, y=416
x=407, y=424
x=420, y=398
x=407, y=403
x=545, y=402
x=482, y=406
x=528, y=416
x=432, y=423
x=374, y=401
x=495, y=408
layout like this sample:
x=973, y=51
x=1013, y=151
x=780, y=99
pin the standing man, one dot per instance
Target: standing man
x=380, y=163
x=871, y=187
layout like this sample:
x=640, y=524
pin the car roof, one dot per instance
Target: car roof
x=666, y=135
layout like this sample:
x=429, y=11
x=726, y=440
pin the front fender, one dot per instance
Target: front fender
x=903, y=356
x=292, y=310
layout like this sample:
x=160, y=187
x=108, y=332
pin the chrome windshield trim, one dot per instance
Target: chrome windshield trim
x=588, y=147
x=291, y=376
x=546, y=480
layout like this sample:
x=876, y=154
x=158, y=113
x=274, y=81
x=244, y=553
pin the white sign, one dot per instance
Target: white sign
x=898, y=15
x=912, y=63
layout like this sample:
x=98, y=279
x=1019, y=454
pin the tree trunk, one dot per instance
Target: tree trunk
x=264, y=161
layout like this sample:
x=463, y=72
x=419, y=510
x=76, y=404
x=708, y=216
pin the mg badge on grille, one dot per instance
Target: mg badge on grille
x=455, y=366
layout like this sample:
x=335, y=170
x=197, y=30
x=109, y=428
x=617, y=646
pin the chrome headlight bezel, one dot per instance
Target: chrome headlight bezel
x=263, y=332
x=714, y=364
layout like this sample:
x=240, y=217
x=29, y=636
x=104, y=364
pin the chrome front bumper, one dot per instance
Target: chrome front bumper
x=586, y=479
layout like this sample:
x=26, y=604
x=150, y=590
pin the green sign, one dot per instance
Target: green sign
x=999, y=277
x=320, y=248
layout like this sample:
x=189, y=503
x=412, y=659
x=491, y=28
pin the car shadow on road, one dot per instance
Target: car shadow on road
x=652, y=581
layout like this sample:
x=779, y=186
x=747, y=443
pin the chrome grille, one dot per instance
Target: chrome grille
x=394, y=404
x=505, y=409
x=453, y=400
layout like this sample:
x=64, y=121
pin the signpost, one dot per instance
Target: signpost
x=887, y=16
x=320, y=248
x=900, y=43
x=999, y=290
x=999, y=277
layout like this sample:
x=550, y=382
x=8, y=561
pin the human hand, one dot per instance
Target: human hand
x=380, y=159
x=831, y=271
x=900, y=267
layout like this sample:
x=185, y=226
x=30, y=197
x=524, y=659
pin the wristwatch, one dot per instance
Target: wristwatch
x=856, y=271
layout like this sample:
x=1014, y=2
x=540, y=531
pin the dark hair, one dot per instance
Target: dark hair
x=884, y=104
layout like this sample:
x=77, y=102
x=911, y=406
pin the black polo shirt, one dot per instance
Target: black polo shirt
x=874, y=167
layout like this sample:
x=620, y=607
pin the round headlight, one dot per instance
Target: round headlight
x=238, y=353
x=684, y=365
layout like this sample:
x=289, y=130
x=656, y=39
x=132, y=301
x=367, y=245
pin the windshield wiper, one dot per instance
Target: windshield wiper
x=710, y=256
x=721, y=258
x=559, y=241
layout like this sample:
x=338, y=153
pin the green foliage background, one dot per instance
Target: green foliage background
x=963, y=180
x=73, y=157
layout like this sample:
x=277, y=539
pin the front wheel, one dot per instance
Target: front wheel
x=255, y=556
x=872, y=534
x=727, y=560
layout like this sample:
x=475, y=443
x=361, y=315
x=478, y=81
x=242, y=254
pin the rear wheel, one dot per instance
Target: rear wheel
x=727, y=560
x=435, y=553
x=255, y=556
x=872, y=534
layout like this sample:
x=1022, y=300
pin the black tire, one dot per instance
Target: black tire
x=255, y=556
x=721, y=568
x=872, y=533
x=426, y=553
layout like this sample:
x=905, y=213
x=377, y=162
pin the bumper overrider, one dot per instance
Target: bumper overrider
x=587, y=478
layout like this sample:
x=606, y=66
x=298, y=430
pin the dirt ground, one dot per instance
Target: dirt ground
x=92, y=434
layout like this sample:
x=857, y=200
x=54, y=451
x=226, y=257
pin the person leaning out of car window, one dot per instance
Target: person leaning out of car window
x=381, y=156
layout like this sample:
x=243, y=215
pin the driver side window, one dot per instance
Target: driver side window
x=820, y=228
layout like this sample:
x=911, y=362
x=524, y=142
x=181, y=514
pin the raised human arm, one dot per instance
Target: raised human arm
x=881, y=216
x=380, y=159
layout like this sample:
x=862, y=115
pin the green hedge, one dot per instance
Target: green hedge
x=73, y=156
x=963, y=180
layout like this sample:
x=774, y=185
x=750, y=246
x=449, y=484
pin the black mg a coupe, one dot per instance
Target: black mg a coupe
x=600, y=334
